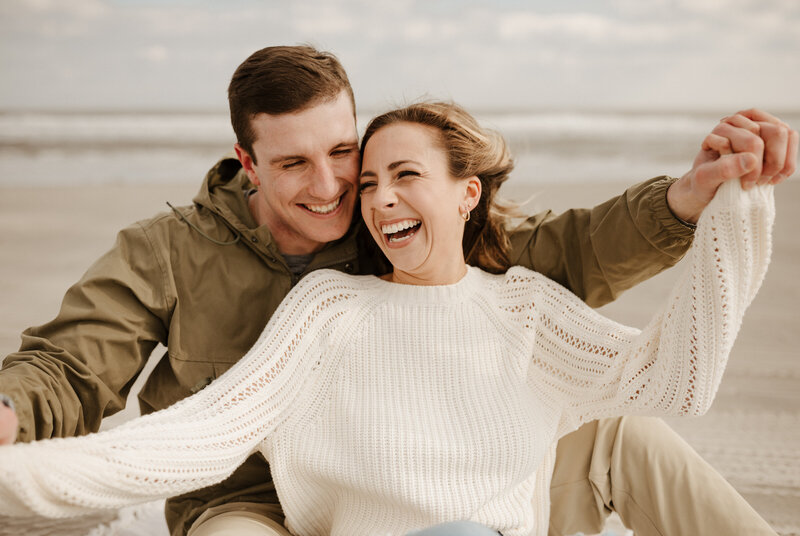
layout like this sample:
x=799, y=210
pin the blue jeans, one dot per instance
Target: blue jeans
x=456, y=528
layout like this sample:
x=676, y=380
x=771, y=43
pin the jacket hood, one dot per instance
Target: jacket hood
x=223, y=192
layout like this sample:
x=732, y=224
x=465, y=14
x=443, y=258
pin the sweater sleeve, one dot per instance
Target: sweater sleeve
x=600, y=252
x=195, y=443
x=593, y=367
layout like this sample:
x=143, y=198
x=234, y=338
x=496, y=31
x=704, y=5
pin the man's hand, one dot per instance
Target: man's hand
x=752, y=144
x=8, y=422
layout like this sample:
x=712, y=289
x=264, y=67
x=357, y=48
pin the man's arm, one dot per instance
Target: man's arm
x=71, y=372
x=600, y=252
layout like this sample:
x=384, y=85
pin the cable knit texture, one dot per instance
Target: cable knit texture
x=384, y=408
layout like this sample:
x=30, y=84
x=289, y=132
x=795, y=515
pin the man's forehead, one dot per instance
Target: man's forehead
x=322, y=126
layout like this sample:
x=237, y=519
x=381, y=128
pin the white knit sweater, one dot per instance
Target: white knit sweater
x=384, y=408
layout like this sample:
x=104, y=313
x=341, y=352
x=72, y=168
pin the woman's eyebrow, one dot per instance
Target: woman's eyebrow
x=390, y=167
x=394, y=165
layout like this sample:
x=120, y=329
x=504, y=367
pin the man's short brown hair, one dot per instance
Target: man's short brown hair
x=280, y=80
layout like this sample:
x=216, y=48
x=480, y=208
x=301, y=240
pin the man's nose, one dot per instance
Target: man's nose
x=325, y=185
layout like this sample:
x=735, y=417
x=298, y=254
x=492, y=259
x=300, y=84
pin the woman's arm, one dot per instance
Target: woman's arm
x=595, y=367
x=192, y=444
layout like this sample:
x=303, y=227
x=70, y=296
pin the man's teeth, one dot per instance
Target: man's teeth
x=399, y=226
x=324, y=209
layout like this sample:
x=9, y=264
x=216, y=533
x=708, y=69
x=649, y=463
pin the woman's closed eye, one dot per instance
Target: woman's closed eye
x=366, y=186
x=370, y=184
x=406, y=173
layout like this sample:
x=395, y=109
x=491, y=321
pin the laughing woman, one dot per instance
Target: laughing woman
x=436, y=393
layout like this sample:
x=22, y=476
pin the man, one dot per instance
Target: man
x=204, y=280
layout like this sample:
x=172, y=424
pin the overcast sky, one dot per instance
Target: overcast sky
x=180, y=54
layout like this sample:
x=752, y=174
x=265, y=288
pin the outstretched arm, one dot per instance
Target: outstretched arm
x=60, y=380
x=195, y=443
x=595, y=367
x=598, y=253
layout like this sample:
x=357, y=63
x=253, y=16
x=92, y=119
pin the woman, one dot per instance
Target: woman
x=433, y=394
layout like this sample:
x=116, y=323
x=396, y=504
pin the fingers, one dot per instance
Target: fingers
x=720, y=144
x=776, y=140
x=743, y=139
x=790, y=165
x=761, y=116
x=724, y=168
x=744, y=122
x=780, y=145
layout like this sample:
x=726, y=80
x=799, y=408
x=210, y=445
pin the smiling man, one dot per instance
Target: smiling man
x=204, y=279
x=306, y=176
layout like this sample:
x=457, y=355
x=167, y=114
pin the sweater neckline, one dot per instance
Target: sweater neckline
x=448, y=293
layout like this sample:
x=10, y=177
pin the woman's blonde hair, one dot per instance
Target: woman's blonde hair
x=471, y=151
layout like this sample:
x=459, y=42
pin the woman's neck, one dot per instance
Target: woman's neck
x=451, y=276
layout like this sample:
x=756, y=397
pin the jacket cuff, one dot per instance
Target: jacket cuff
x=672, y=224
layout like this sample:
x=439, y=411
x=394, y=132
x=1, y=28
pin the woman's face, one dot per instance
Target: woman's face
x=412, y=205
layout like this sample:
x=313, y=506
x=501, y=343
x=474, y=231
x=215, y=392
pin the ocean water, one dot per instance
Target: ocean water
x=79, y=148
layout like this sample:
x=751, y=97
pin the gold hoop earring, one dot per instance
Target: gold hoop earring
x=465, y=215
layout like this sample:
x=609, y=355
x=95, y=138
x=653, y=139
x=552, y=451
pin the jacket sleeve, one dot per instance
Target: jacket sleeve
x=600, y=252
x=71, y=372
x=593, y=367
x=192, y=444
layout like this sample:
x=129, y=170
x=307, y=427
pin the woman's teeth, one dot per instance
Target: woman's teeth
x=399, y=226
x=403, y=230
x=324, y=209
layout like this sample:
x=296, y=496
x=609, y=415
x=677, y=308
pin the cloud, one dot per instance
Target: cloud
x=581, y=26
x=625, y=52
x=322, y=20
x=85, y=9
x=155, y=53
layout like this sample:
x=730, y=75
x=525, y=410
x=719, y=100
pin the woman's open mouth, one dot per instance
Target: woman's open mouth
x=400, y=231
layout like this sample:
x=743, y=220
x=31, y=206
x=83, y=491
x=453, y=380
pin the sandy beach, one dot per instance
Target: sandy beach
x=49, y=236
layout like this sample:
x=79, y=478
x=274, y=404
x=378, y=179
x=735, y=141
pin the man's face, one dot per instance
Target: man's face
x=307, y=174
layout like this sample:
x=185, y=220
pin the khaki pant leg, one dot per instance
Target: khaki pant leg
x=240, y=519
x=660, y=486
x=574, y=505
x=654, y=480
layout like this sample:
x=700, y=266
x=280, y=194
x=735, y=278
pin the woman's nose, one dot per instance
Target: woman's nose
x=385, y=196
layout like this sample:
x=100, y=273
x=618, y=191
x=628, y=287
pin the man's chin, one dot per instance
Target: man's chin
x=329, y=231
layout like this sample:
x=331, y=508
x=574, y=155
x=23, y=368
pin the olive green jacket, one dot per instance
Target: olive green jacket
x=204, y=280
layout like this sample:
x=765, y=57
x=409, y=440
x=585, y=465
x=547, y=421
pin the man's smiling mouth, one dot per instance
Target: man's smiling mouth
x=323, y=209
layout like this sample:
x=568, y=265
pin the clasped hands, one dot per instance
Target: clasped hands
x=752, y=144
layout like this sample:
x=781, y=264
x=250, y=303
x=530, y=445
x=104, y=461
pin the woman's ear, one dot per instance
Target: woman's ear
x=473, y=192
